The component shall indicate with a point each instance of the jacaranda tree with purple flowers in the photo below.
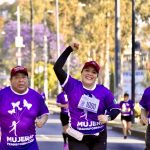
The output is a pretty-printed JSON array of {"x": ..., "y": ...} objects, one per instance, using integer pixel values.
[
  {"x": 9, "y": 49},
  {"x": 11, "y": 33}
]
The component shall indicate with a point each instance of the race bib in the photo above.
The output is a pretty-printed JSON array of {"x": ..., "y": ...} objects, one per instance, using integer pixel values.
[{"x": 89, "y": 103}]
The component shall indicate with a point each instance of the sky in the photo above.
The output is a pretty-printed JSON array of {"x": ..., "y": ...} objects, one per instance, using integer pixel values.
[{"x": 8, "y": 1}]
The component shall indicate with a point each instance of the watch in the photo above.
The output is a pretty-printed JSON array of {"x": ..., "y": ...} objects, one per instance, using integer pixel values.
[{"x": 109, "y": 118}]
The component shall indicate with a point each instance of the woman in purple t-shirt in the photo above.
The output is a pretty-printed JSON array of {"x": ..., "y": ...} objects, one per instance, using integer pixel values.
[{"x": 91, "y": 105}]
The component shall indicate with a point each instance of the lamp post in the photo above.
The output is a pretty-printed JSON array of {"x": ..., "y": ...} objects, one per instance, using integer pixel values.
[
  {"x": 107, "y": 65},
  {"x": 117, "y": 46},
  {"x": 18, "y": 39},
  {"x": 46, "y": 54},
  {"x": 45, "y": 58},
  {"x": 133, "y": 53},
  {"x": 32, "y": 45}
]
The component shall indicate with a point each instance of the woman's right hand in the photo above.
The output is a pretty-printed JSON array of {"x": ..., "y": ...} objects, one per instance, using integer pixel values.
[{"x": 75, "y": 46}]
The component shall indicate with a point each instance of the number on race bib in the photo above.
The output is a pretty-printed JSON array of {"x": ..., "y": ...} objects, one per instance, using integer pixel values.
[{"x": 91, "y": 106}]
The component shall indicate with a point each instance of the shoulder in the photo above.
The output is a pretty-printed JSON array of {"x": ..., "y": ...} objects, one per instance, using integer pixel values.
[
  {"x": 102, "y": 88},
  {"x": 60, "y": 95},
  {"x": 147, "y": 91},
  {"x": 131, "y": 101},
  {"x": 121, "y": 102},
  {"x": 34, "y": 92},
  {"x": 5, "y": 89}
]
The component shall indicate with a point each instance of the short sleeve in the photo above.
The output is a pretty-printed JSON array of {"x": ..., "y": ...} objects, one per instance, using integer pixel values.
[
  {"x": 43, "y": 107},
  {"x": 145, "y": 98},
  {"x": 111, "y": 102}
]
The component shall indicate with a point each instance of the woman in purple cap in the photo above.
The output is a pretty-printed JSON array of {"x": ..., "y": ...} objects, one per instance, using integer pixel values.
[
  {"x": 145, "y": 115},
  {"x": 21, "y": 110},
  {"x": 91, "y": 105},
  {"x": 62, "y": 102}
]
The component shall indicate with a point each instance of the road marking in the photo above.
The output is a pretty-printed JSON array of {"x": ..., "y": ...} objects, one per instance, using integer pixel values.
[
  {"x": 58, "y": 138},
  {"x": 53, "y": 121},
  {"x": 121, "y": 140},
  {"x": 49, "y": 138}
]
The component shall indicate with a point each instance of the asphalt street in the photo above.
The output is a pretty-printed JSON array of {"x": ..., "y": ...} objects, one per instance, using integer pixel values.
[{"x": 49, "y": 137}]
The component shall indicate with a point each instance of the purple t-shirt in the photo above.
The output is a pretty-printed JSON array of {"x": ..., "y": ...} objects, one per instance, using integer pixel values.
[
  {"x": 85, "y": 105},
  {"x": 17, "y": 118},
  {"x": 127, "y": 107},
  {"x": 62, "y": 99},
  {"x": 145, "y": 101}
]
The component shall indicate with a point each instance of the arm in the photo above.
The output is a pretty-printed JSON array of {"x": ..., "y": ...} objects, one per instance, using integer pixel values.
[
  {"x": 40, "y": 121},
  {"x": 58, "y": 66},
  {"x": 62, "y": 105},
  {"x": 111, "y": 116},
  {"x": 143, "y": 119}
]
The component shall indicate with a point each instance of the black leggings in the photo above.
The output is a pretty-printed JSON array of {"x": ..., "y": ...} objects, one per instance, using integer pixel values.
[
  {"x": 89, "y": 142},
  {"x": 147, "y": 140}
]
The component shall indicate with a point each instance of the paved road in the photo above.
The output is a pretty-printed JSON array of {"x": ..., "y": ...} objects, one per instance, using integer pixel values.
[{"x": 49, "y": 138}]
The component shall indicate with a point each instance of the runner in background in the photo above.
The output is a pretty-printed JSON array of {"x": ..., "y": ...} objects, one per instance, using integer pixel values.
[
  {"x": 40, "y": 90},
  {"x": 127, "y": 108},
  {"x": 62, "y": 102}
]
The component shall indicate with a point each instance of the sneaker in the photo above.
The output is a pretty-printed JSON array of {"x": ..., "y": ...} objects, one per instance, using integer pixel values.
[
  {"x": 65, "y": 146},
  {"x": 125, "y": 137},
  {"x": 129, "y": 132}
]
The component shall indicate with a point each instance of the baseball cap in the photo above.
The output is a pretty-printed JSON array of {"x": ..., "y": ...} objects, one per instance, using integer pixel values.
[
  {"x": 19, "y": 69},
  {"x": 92, "y": 64}
]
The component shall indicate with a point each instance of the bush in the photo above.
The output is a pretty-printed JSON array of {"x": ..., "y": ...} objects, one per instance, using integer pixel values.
[{"x": 137, "y": 110}]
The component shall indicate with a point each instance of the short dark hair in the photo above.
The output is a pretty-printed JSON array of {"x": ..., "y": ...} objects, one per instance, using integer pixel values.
[{"x": 126, "y": 95}]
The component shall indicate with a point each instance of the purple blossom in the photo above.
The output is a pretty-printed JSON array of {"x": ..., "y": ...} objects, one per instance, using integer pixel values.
[{"x": 11, "y": 33}]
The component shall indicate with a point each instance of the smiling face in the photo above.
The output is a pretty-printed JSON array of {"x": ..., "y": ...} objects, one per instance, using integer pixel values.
[
  {"x": 19, "y": 82},
  {"x": 89, "y": 76}
]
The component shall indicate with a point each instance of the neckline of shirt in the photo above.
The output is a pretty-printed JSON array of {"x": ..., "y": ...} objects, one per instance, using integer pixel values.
[
  {"x": 19, "y": 93},
  {"x": 91, "y": 89}
]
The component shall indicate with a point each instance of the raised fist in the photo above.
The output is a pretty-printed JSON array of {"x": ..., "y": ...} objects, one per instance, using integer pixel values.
[{"x": 75, "y": 46}]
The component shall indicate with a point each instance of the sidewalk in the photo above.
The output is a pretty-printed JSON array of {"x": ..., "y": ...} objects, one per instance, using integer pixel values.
[{"x": 137, "y": 129}]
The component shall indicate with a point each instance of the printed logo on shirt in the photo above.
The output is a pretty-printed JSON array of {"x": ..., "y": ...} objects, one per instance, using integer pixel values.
[
  {"x": 66, "y": 99},
  {"x": 15, "y": 141},
  {"x": 17, "y": 112},
  {"x": 125, "y": 107},
  {"x": 89, "y": 125}
]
